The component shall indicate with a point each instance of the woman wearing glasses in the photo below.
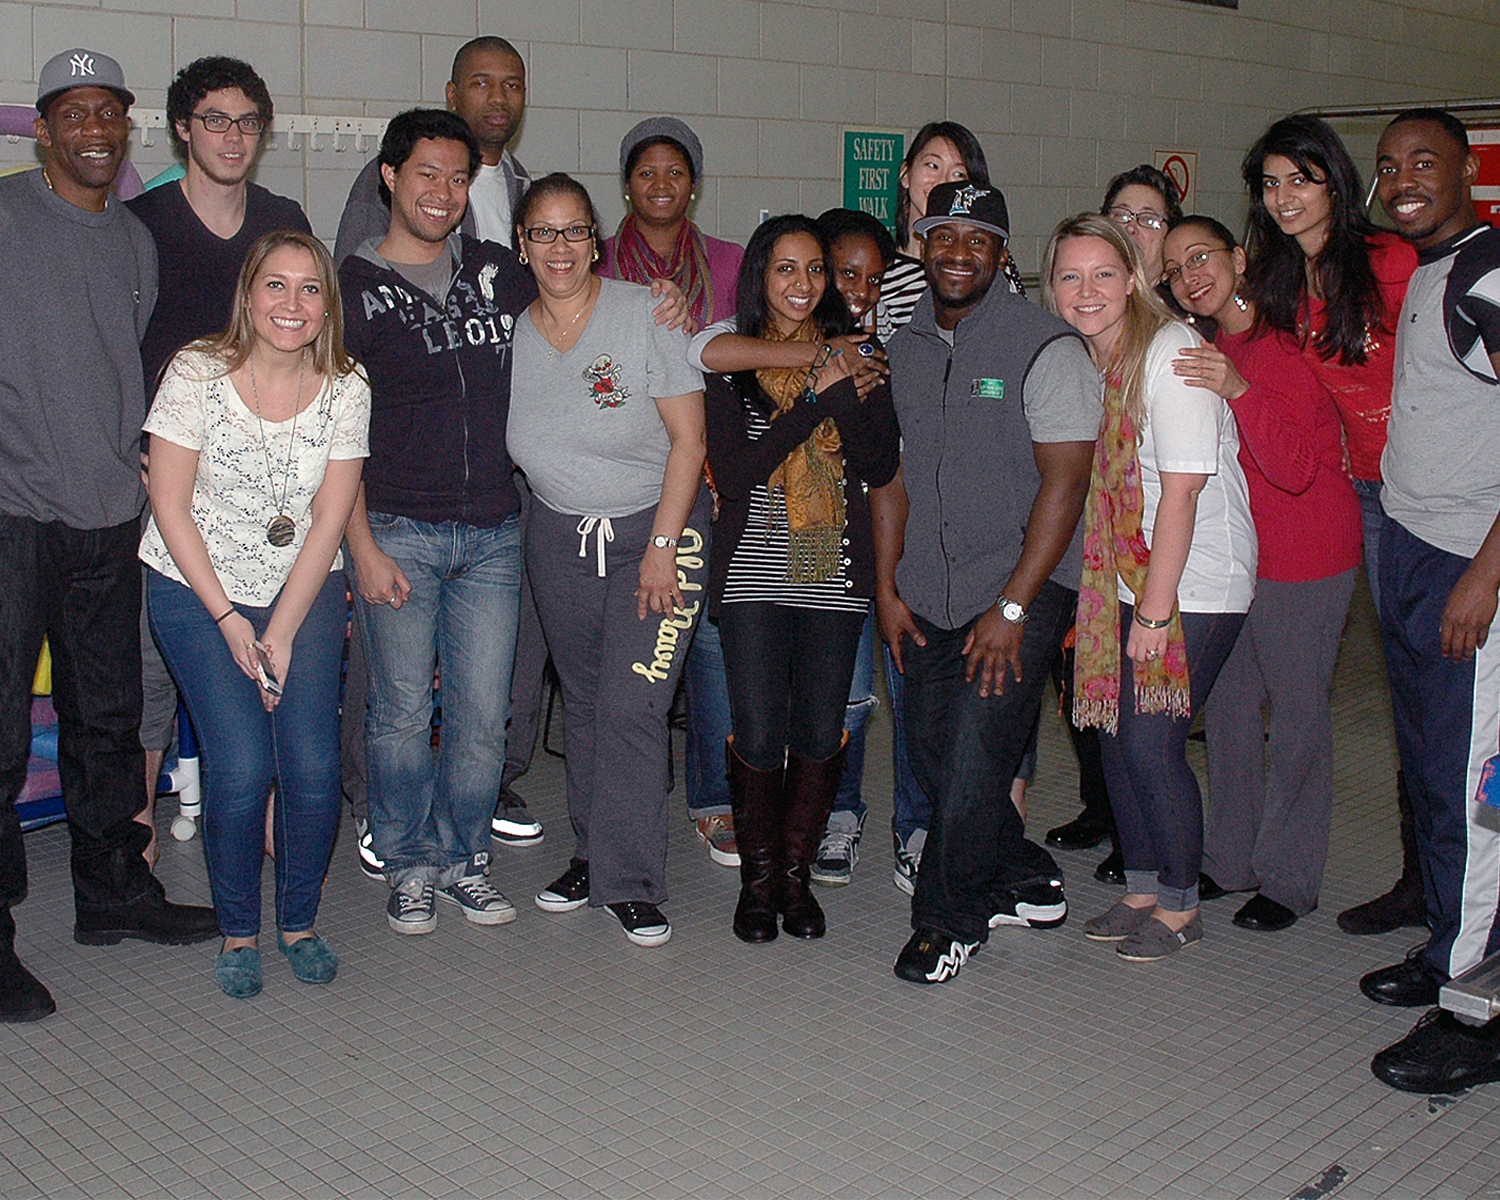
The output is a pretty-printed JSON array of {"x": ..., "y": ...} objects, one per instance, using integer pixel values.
[
  {"x": 1320, "y": 272},
  {"x": 1269, "y": 814},
  {"x": 606, "y": 420}
]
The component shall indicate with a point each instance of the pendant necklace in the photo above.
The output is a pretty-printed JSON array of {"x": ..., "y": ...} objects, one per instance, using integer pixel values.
[
  {"x": 281, "y": 529},
  {"x": 552, "y": 346}
]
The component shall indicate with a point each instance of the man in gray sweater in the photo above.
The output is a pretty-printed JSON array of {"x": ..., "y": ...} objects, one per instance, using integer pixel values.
[{"x": 77, "y": 286}]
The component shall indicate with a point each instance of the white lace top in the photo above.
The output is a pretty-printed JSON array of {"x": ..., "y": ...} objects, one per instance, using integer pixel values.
[{"x": 234, "y": 497}]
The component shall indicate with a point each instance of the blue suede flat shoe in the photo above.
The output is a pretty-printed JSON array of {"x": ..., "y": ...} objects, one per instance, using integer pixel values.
[
  {"x": 238, "y": 972},
  {"x": 312, "y": 959}
]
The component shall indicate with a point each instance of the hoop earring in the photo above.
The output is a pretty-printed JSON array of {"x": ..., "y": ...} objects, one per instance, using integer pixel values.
[
  {"x": 523, "y": 258},
  {"x": 596, "y": 253}
]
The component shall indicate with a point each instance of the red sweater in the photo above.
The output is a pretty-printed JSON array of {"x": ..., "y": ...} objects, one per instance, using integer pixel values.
[
  {"x": 1306, "y": 514},
  {"x": 1363, "y": 391}
]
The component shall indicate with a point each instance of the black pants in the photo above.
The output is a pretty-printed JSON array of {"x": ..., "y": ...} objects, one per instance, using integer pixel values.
[
  {"x": 965, "y": 749},
  {"x": 789, "y": 671},
  {"x": 82, "y": 589}
]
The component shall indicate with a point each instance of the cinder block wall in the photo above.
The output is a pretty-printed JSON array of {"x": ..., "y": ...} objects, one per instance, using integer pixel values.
[{"x": 1062, "y": 93}]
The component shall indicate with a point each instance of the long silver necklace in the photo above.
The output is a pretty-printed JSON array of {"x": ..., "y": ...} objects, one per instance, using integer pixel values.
[{"x": 281, "y": 529}]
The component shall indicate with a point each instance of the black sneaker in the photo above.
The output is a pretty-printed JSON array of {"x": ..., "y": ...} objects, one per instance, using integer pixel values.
[
  {"x": 1033, "y": 903},
  {"x": 568, "y": 891},
  {"x": 932, "y": 957},
  {"x": 1441, "y": 1055},
  {"x": 369, "y": 861},
  {"x": 513, "y": 823},
  {"x": 643, "y": 923}
]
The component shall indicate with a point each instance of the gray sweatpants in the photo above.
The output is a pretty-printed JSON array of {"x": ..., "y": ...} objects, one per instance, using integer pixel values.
[
  {"x": 1269, "y": 807},
  {"x": 618, "y": 675}
]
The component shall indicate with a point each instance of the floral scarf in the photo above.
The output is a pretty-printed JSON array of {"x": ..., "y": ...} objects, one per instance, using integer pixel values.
[
  {"x": 811, "y": 477},
  {"x": 1114, "y": 544}
]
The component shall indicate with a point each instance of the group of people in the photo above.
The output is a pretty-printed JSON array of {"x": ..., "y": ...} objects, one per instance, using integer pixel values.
[{"x": 656, "y": 457}]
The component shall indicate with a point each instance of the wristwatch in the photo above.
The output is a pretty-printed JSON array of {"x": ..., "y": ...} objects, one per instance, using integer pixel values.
[
  {"x": 661, "y": 541},
  {"x": 1010, "y": 610}
]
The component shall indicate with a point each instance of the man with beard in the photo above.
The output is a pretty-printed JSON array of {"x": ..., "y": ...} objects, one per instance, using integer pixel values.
[
  {"x": 1439, "y": 575},
  {"x": 978, "y": 562}
]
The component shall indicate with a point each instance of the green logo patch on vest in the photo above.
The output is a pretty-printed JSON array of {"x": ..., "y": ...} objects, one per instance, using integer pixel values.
[{"x": 990, "y": 389}]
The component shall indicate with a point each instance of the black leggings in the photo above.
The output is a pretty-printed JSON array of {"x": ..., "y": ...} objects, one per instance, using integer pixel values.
[{"x": 789, "y": 671}]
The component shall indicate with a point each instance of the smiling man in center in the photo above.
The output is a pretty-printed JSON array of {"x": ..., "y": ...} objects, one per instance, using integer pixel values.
[{"x": 978, "y": 559}]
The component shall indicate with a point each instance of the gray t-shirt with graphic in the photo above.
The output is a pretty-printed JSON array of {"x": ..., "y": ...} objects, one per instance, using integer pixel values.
[{"x": 583, "y": 425}]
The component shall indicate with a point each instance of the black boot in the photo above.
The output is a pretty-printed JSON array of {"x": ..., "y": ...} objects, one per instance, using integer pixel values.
[
  {"x": 22, "y": 996},
  {"x": 1404, "y": 904},
  {"x": 757, "y": 799},
  {"x": 810, "y": 789},
  {"x": 149, "y": 918}
]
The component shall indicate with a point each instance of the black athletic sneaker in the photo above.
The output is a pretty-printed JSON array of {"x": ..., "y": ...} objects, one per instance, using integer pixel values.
[
  {"x": 1032, "y": 903},
  {"x": 932, "y": 957},
  {"x": 513, "y": 823},
  {"x": 1441, "y": 1055},
  {"x": 568, "y": 891}
]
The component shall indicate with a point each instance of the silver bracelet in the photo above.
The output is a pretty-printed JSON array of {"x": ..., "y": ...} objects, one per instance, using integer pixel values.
[{"x": 1147, "y": 624}]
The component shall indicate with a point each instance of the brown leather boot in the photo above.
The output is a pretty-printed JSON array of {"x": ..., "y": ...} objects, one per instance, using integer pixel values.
[
  {"x": 758, "y": 801},
  {"x": 1405, "y": 904},
  {"x": 810, "y": 789}
]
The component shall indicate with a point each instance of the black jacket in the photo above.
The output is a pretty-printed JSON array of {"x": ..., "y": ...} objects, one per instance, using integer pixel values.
[
  {"x": 872, "y": 452},
  {"x": 439, "y": 382}
]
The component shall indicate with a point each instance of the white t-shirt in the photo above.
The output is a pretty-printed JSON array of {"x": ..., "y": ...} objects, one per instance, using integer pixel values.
[
  {"x": 198, "y": 408},
  {"x": 490, "y": 200},
  {"x": 1190, "y": 430}
]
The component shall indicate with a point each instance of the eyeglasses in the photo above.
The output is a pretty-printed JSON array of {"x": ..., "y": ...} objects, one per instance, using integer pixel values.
[
  {"x": 250, "y": 126},
  {"x": 1121, "y": 215},
  {"x": 543, "y": 234},
  {"x": 1191, "y": 263}
]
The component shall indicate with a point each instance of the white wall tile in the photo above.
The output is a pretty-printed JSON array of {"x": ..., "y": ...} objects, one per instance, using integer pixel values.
[
  {"x": 794, "y": 33},
  {"x": 1070, "y": 64},
  {"x": 1044, "y": 16},
  {"x": 908, "y": 101},
  {"x": 358, "y": 63},
  {"x": 187, "y": 8},
  {"x": 642, "y": 24},
  {"x": 673, "y": 84},
  {"x": 275, "y": 51},
  {"x": 430, "y": 16},
  {"x": 929, "y": 10},
  {"x": 549, "y": 141},
  {"x": 1016, "y": 57},
  {"x": 286, "y": 11},
  {"x": 349, "y": 14},
  {"x": 800, "y": 150},
  {"x": 965, "y": 51},
  {"x": 729, "y": 27},
  {"x": 16, "y": 65},
  {"x": 838, "y": 94},
  {"x": 758, "y": 89},
  {"x": 883, "y": 45},
  {"x": 530, "y": 20},
  {"x": 438, "y": 52},
  {"x": 929, "y": 47},
  {"x": 577, "y": 76}
]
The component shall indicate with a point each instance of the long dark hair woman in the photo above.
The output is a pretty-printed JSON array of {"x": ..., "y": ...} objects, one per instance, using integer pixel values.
[
  {"x": 1321, "y": 272},
  {"x": 792, "y": 571}
]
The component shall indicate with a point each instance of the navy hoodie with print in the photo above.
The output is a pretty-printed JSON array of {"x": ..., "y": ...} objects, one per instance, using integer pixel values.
[{"x": 439, "y": 382}]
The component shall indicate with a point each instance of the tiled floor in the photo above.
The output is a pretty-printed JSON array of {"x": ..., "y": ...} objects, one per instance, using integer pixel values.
[{"x": 549, "y": 1058}]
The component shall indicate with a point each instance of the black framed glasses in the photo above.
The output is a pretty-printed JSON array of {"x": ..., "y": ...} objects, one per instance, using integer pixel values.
[
  {"x": 1121, "y": 215},
  {"x": 1191, "y": 263},
  {"x": 544, "y": 234},
  {"x": 251, "y": 126}
]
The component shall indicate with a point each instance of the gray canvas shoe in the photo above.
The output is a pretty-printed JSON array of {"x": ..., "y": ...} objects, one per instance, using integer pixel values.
[{"x": 1154, "y": 940}]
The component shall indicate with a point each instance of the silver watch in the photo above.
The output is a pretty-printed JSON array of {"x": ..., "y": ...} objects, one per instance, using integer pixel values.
[
  {"x": 661, "y": 541},
  {"x": 1011, "y": 611}
]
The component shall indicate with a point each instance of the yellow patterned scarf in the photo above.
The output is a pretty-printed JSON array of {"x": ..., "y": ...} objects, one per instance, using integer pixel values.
[{"x": 811, "y": 478}]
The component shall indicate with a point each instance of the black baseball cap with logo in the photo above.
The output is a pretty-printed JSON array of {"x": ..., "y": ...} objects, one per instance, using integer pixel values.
[{"x": 968, "y": 204}]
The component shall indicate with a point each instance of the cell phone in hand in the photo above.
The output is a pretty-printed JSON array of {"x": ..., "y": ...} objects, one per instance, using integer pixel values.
[{"x": 267, "y": 672}]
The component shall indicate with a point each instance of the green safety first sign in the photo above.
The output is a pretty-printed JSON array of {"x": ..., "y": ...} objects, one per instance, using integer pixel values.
[{"x": 872, "y": 162}]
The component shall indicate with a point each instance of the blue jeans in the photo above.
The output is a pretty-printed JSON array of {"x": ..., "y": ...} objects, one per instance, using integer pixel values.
[
  {"x": 429, "y": 817},
  {"x": 965, "y": 749},
  {"x": 709, "y": 725},
  {"x": 911, "y": 809},
  {"x": 1372, "y": 517},
  {"x": 245, "y": 749},
  {"x": 856, "y": 715},
  {"x": 1152, "y": 789}
]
